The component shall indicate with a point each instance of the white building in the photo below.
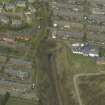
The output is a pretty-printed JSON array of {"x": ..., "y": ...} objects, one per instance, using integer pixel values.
[{"x": 85, "y": 49}]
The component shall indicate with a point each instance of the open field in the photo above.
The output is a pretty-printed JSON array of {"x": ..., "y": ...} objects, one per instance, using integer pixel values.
[
  {"x": 92, "y": 89},
  {"x": 68, "y": 65},
  {"x": 18, "y": 101}
]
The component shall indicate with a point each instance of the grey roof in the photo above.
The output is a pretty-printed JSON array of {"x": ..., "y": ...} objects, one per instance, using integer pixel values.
[
  {"x": 20, "y": 61},
  {"x": 10, "y": 6},
  {"x": 61, "y": 12},
  {"x": 96, "y": 36},
  {"x": 11, "y": 72},
  {"x": 13, "y": 84},
  {"x": 67, "y": 6},
  {"x": 97, "y": 1},
  {"x": 100, "y": 59},
  {"x": 31, "y": 8},
  {"x": 31, "y": 1},
  {"x": 4, "y": 19},
  {"x": 17, "y": 23},
  {"x": 21, "y": 3},
  {"x": 60, "y": 33},
  {"x": 74, "y": 25},
  {"x": 18, "y": 73},
  {"x": 97, "y": 18}
]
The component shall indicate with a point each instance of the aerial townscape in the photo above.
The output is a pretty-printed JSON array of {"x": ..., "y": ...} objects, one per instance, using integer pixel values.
[{"x": 52, "y": 52}]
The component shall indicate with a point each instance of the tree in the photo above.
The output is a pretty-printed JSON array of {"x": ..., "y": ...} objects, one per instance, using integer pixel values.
[{"x": 5, "y": 98}]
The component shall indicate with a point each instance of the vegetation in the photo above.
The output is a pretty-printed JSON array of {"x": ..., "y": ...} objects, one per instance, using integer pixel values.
[
  {"x": 19, "y": 101},
  {"x": 102, "y": 52},
  {"x": 5, "y": 50},
  {"x": 92, "y": 89},
  {"x": 41, "y": 65},
  {"x": 68, "y": 65},
  {"x": 4, "y": 98},
  {"x": 45, "y": 87}
]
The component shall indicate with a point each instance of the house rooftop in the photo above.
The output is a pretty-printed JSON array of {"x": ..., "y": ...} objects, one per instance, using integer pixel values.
[
  {"x": 20, "y": 61},
  {"x": 21, "y": 3},
  {"x": 10, "y": 6},
  {"x": 31, "y": 1},
  {"x": 18, "y": 73},
  {"x": 4, "y": 19}
]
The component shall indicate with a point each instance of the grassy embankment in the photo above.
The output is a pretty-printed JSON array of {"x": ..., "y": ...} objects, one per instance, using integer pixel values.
[{"x": 69, "y": 65}]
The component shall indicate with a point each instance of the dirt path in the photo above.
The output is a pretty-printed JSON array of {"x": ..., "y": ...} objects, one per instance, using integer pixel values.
[
  {"x": 56, "y": 82},
  {"x": 76, "y": 84}
]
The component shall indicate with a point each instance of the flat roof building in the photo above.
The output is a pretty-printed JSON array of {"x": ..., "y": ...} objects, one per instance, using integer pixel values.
[{"x": 85, "y": 50}]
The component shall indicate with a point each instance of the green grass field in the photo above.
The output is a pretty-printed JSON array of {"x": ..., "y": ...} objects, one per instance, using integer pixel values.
[
  {"x": 68, "y": 65},
  {"x": 18, "y": 101}
]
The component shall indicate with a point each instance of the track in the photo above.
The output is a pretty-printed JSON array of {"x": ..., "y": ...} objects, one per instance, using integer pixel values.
[{"x": 55, "y": 81}]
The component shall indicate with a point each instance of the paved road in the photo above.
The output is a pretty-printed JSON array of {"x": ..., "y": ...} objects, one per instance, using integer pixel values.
[{"x": 76, "y": 84}]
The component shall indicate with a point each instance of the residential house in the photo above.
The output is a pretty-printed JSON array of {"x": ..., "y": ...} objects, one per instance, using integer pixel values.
[
  {"x": 10, "y": 6},
  {"x": 21, "y": 62},
  {"x": 69, "y": 34},
  {"x": 23, "y": 74},
  {"x": 17, "y": 23},
  {"x": 29, "y": 17},
  {"x": 31, "y": 1},
  {"x": 98, "y": 11},
  {"x": 15, "y": 88},
  {"x": 21, "y": 3},
  {"x": 17, "y": 73},
  {"x": 4, "y": 19},
  {"x": 31, "y": 9}
]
